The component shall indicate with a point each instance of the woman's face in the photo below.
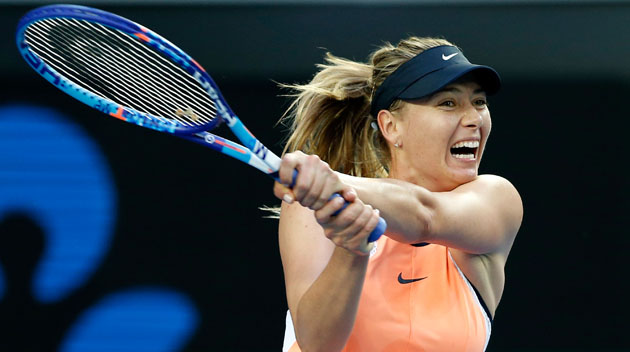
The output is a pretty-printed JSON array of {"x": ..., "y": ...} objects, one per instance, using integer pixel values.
[{"x": 442, "y": 137}]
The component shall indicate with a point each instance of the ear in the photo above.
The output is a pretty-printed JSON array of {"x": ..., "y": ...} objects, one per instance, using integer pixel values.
[{"x": 389, "y": 125}]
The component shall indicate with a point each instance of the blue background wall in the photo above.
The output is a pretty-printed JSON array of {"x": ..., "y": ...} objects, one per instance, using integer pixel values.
[{"x": 102, "y": 222}]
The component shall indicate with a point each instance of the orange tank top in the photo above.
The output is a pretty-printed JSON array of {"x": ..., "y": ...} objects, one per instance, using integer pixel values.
[{"x": 414, "y": 298}]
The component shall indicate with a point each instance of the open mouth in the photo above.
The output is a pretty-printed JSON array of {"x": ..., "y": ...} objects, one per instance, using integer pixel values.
[{"x": 465, "y": 150}]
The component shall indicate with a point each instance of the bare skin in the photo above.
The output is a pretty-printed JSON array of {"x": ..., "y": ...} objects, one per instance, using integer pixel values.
[{"x": 433, "y": 195}]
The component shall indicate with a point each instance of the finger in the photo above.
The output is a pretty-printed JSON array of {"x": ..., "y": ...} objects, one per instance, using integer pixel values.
[
  {"x": 333, "y": 186},
  {"x": 325, "y": 214},
  {"x": 330, "y": 184},
  {"x": 342, "y": 224},
  {"x": 283, "y": 192},
  {"x": 355, "y": 237},
  {"x": 354, "y": 229},
  {"x": 308, "y": 172},
  {"x": 321, "y": 173},
  {"x": 349, "y": 194},
  {"x": 289, "y": 162},
  {"x": 346, "y": 217},
  {"x": 364, "y": 246}
]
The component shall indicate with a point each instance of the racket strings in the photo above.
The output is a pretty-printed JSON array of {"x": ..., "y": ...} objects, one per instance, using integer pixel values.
[
  {"x": 77, "y": 65},
  {"x": 89, "y": 77},
  {"x": 118, "y": 67},
  {"x": 164, "y": 89},
  {"x": 44, "y": 50},
  {"x": 139, "y": 76}
]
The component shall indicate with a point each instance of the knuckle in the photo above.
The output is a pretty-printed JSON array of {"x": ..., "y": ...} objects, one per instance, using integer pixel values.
[
  {"x": 312, "y": 159},
  {"x": 287, "y": 157}
]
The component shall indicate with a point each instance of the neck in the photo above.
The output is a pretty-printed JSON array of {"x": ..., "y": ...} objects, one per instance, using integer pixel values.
[{"x": 400, "y": 170}]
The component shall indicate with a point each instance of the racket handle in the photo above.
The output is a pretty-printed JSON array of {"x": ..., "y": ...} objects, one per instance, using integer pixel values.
[{"x": 378, "y": 231}]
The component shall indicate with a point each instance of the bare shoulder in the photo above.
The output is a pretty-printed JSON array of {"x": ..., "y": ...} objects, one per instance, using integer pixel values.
[
  {"x": 489, "y": 180},
  {"x": 500, "y": 195},
  {"x": 490, "y": 184},
  {"x": 505, "y": 196}
]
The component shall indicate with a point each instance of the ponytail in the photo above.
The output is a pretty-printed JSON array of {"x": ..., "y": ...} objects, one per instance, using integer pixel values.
[{"x": 330, "y": 117}]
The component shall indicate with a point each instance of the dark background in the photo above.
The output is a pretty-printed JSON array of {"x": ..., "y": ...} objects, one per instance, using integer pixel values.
[{"x": 188, "y": 218}]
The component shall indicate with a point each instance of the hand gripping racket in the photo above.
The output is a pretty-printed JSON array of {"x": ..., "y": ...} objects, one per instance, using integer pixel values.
[{"x": 133, "y": 74}]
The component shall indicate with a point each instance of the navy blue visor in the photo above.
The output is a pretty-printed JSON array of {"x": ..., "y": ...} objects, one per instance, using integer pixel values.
[{"x": 427, "y": 73}]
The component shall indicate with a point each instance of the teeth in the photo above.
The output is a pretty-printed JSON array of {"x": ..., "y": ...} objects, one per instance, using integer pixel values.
[
  {"x": 467, "y": 144},
  {"x": 464, "y": 156}
]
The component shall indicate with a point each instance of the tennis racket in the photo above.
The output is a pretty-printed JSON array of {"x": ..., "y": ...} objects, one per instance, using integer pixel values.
[{"x": 129, "y": 72}]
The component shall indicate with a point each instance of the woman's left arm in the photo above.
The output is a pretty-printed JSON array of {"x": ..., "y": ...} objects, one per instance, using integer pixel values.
[{"x": 479, "y": 217}]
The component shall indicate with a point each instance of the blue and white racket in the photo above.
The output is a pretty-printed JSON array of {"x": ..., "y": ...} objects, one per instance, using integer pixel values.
[{"x": 133, "y": 74}]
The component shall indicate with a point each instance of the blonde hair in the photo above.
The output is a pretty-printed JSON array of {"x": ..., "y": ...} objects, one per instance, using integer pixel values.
[{"x": 330, "y": 116}]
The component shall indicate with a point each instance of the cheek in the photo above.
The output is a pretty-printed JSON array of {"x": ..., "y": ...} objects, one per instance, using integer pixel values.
[
  {"x": 487, "y": 124},
  {"x": 485, "y": 131},
  {"x": 431, "y": 141}
]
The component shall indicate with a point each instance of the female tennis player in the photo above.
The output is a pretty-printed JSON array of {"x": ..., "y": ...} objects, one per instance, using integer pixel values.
[{"x": 401, "y": 137}]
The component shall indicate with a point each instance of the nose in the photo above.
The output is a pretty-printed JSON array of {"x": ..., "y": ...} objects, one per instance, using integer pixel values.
[{"x": 472, "y": 118}]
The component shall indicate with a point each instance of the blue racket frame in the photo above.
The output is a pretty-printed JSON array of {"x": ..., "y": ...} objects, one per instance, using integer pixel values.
[{"x": 252, "y": 152}]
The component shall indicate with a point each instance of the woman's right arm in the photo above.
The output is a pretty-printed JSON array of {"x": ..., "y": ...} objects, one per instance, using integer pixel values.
[
  {"x": 325, "y": 260},
  {"x": 323, "y": 281}
]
